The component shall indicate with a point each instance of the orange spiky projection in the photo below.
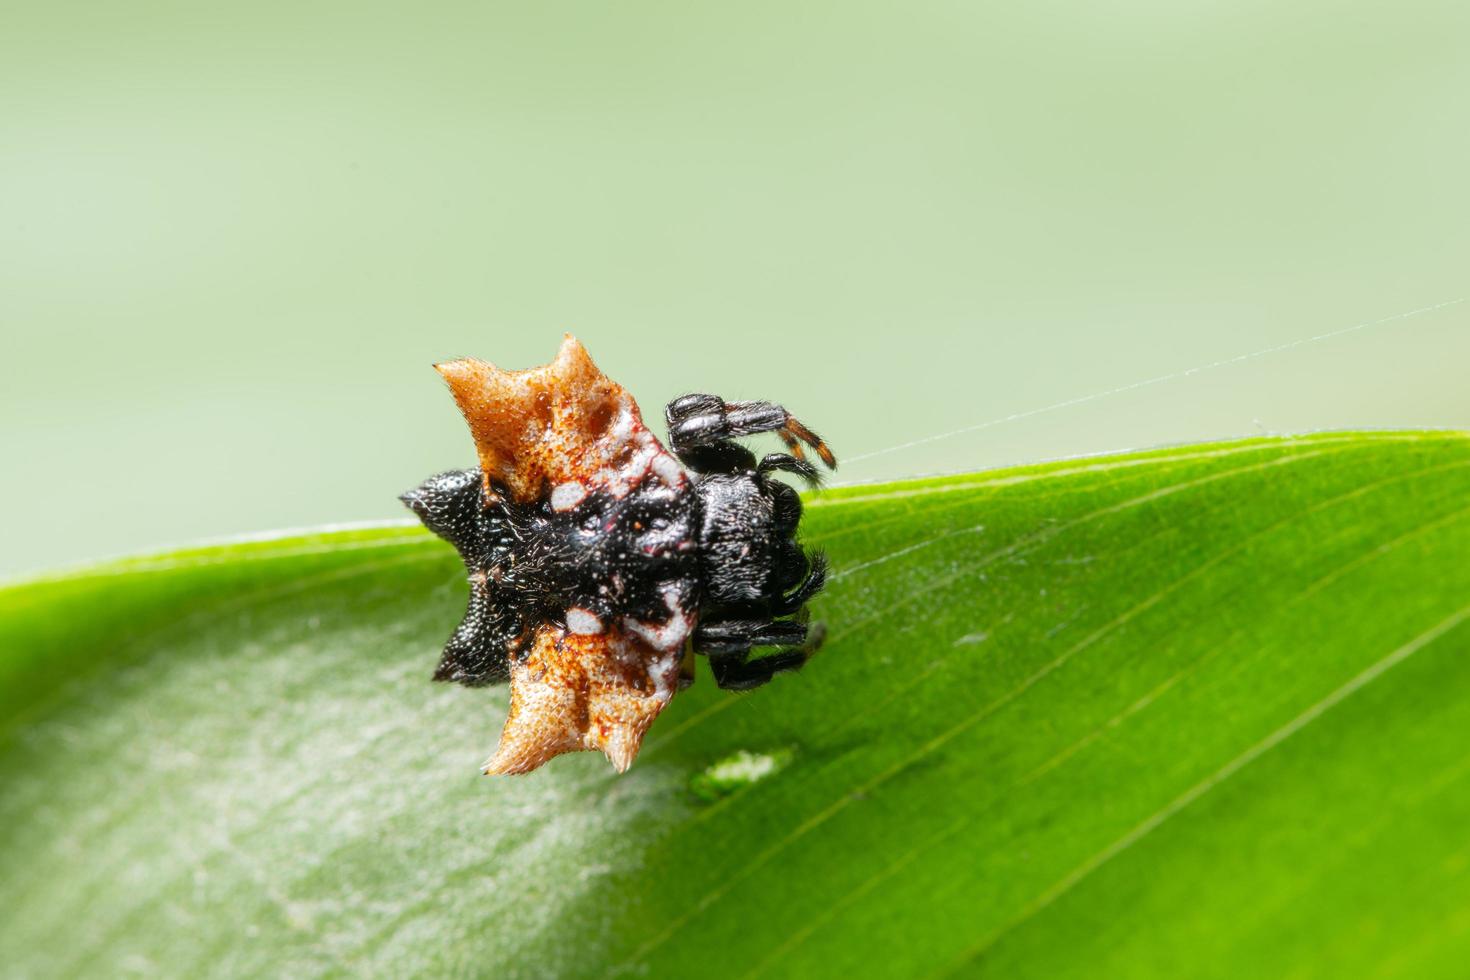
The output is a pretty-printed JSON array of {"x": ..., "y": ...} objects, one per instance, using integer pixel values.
[
  {"x": 565, "y": 424},
  {"x": 575, "y": 693}
]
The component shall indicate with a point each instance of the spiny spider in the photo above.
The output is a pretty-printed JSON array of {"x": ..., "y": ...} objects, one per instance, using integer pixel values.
[{"x": 597, "y": 565}]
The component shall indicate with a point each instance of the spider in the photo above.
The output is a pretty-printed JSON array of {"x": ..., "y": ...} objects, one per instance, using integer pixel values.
[{"x": 598, "y": 561}]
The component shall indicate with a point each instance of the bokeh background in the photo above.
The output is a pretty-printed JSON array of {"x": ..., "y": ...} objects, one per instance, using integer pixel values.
[{"x": 234, "y": 237}]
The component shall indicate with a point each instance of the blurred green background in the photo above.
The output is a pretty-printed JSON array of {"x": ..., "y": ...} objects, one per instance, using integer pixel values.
[{"x": 233, "y": 238}]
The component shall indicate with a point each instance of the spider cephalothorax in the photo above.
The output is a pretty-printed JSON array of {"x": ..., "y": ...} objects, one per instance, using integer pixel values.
[{"x": 597, "y": 562}]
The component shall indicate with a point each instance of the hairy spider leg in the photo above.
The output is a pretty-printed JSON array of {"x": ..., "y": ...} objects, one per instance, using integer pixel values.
[
  {"x": 786, "y": 463},
  {"x": 816, "y": 577},
  {"x": 702, "y": 420},
  {"x": 729, "y": 644},
  {"x": 740, "y": 635}
]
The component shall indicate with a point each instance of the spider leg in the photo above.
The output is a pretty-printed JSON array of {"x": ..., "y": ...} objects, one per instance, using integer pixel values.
[
  {"x": 739, "y": 635},
  {"x": 728, "y": 647},
  {"x": 718, "y": 457},
  {"x": 786, "y": 463},
  {"x": 733, "y": 672},
  {"x": 816, "y": 577},
  {"x": 701, "y": 420}
]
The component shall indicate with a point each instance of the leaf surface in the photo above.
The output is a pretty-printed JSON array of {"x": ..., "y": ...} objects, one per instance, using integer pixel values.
[{"x": 1196, "y": 711}]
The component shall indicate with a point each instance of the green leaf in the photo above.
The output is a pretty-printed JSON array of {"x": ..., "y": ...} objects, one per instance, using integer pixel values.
[{"x": 1200, "y": 711}]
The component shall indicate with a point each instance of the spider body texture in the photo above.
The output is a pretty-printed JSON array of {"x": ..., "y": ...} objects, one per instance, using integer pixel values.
[{"x": 599, "y": 561}]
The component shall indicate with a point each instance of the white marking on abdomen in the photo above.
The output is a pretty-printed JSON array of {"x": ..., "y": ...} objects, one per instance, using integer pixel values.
[
  {"x": 567, "y": 495},
  {"x": 583, "y": 622}
]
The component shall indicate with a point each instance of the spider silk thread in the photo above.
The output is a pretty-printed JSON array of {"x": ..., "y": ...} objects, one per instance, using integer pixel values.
[{"x": 1160, "y": 379}]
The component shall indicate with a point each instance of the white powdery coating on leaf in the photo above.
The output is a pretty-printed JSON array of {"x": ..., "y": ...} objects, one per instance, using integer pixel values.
[
  {"x": 363, "y": 751},
  {"x": 744, "y": 767}
]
